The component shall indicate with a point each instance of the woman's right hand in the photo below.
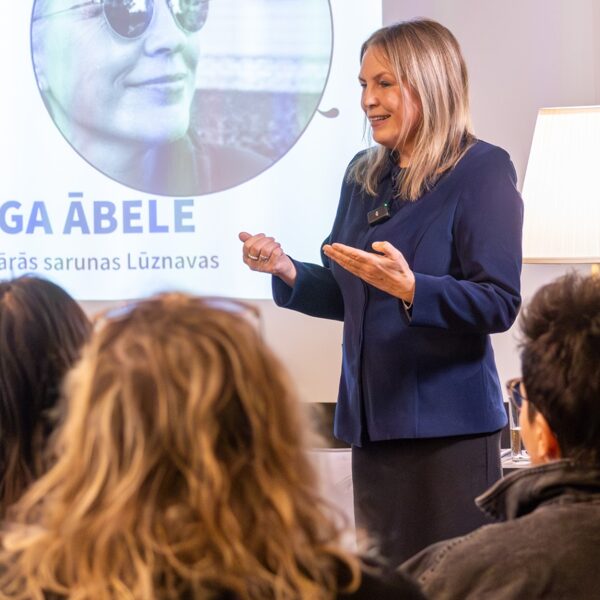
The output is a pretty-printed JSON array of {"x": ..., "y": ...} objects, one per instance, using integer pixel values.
[{"x": 264, "y": 254}]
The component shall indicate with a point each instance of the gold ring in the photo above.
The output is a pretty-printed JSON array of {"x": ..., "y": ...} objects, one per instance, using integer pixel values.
[{"x": 252, "y": 257}]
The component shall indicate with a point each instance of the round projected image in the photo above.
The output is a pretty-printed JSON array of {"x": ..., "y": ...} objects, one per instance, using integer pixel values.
[{"x": 181, "y": 97}]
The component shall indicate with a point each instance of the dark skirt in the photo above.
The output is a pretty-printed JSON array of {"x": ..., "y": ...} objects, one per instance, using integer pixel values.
[{"x": 413, "y": 492}]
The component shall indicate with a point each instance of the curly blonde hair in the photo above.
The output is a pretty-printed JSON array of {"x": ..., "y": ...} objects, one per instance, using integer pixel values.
[{"x": 180, "y": 471}]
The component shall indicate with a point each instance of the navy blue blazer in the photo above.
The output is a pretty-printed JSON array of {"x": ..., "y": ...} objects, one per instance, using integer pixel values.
[{"x": 428, "y": 372}]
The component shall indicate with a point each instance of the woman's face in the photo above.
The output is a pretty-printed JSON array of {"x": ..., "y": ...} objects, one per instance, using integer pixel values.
[
  {"x": 101, "y": 85},
  {"x": 391, "y": 108}
]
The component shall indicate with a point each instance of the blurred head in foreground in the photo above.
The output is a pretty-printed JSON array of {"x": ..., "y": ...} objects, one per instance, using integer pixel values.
[
  {"x": 42, "y": 330},
  {"x": 180, "y": 473},
  {"x": 560, "y": 417}
]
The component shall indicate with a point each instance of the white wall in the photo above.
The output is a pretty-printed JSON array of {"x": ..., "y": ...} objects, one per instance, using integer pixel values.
[{"x": 522, "y": 55}]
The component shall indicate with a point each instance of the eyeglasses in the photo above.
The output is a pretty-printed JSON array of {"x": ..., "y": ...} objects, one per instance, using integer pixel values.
[
  {"x": 130, "y": 19},
  {"x": 250, "y": 313},
  {"x": 245, "y": 310},
  {"x": 516, "y": 393}
]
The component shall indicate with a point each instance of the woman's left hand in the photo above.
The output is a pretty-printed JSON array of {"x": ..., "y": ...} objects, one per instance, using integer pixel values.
[{"x": 387, "y": 270}]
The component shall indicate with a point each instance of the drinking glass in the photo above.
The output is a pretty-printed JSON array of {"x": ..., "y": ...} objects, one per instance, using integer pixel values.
[{"x": 516, "y": 393}]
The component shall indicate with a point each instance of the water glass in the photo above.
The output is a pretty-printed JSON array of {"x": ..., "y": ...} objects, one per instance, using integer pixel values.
[{"x": 515, "y": 401}]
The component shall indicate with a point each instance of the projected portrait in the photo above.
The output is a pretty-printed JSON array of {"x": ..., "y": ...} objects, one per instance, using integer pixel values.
[{"x": 181, "y": 97}]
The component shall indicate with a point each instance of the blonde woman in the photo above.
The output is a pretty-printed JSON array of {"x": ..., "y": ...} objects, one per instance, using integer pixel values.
[
  {"x": 180, "y": 473},
  {"x": 422, "y": 265}
]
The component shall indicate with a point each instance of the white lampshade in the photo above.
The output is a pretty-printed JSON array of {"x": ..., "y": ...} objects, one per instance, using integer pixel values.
[{"x": 561, "y": 191}]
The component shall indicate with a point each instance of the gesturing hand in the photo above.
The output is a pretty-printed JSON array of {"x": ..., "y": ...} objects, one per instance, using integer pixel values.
[
  {"x": 387, "y": 270},
  {"x": 264, "y": 254}
]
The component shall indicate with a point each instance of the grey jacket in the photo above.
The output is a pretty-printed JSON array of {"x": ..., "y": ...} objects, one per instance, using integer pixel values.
[{"x": 548, "y": 545}]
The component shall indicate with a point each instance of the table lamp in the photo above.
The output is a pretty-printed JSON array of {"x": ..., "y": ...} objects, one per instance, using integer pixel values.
[{"x": 561, "y": 190}]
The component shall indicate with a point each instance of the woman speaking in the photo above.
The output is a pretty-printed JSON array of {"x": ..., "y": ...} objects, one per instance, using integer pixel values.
[{"x": 422, "y": 264}]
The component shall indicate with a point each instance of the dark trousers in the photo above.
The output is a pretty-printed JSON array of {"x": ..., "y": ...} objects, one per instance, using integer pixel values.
[{"x": 413, "y": 492}]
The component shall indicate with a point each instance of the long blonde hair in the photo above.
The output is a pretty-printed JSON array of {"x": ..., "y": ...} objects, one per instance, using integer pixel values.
[
  {"x": 180, "y": 471},
  {"x": 424, "y": 55}
]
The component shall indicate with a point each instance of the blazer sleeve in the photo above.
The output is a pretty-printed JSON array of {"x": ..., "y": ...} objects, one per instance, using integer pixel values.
[
  {"x": 315, "y": 293},
  {"x": 487, "y": 230}
]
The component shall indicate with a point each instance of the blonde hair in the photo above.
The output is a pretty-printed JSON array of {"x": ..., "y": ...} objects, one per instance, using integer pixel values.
[
  {"x": 180, "y": 472},
  {"x": 425, "y": 56}
]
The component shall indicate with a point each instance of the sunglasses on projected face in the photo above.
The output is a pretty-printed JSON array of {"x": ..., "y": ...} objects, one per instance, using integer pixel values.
[{"x": 130, "y": 19}]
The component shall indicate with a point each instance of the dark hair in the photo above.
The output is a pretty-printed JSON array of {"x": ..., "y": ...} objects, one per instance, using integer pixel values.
[
  {"x": 560, "y": 354},
  {"x": 41, "y": 332}
]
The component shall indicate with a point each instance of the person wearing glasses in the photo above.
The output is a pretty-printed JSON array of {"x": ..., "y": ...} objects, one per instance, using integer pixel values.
[
  {"x": 181, "y": 473},
  {"x": 118, "y": 78},
  {"x": 545, "y": 544},
  {"x": 422, "y": 264}
]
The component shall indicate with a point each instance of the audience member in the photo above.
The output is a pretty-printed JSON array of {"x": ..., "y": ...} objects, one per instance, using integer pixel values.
[
  {"x": 547, "y": 545},
  {"x": 180, "y": 473},
  {"x": 41, "y": 332}
]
